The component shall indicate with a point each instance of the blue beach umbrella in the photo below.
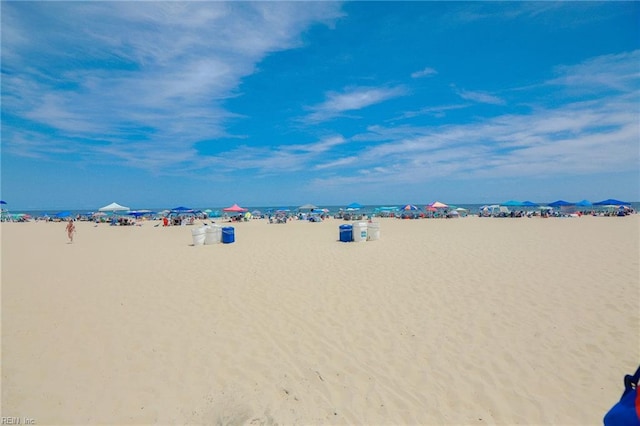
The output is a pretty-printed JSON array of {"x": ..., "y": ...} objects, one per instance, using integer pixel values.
[
  {"x": 64, "y": 214},
  {"x": 611, "y": 202},
  {"x": 138, "y": 213},
  {"x": 512, "y": 203},
  {"x": 560, "y": 203},
  {"x": 584, "y": 203},
  {"x": 3, "y": 202},
  {"x": 354, "y": 206},
  {"x": 410, "y": 207},
  {"x": 529, "y": 204}
]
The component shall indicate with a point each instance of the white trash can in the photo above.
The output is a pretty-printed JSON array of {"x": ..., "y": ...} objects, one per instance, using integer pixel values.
[
  {"x": 360, "y": 231},
  {"x": 213, "y": 235},
  {"x": 373, "y": 231},
  {"x": 198, "y": 235}
]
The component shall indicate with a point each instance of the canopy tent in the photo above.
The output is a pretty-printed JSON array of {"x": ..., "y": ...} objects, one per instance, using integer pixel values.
[
  {"x": 235, "y": 208},
  {"x": 182, "y": 209},
  {"x": 611, "y": 202},
  {"x": 438, "y": 205},
  {"x": 113, "y": 207}
]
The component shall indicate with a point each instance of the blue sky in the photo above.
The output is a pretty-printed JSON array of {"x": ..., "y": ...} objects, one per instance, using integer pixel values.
[{"x": 158, "y": 104}]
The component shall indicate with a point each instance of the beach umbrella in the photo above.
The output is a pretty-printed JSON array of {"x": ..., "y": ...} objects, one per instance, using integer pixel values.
[
  {"x": 354, "y": 206},
  {"x": 138, "y": 213},
  {"x": 611, "y": 202},
  {"x": 584, "y": 203},
  {"x": 235, "y": 208},
  {"x": 307, "y": 207},
  {"x": 512, "y": 203},
  {"x": 64, "y": 214},
  {"x": 3, "y": 202},
  {"x": 113, "y": 207},
  {"x": 560, "y": 203},
  {"x": 529, "y": 204},
  {"x": 409, "y": 207}
]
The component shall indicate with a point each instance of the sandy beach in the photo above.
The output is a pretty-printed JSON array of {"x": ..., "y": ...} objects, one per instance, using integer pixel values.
[{"x": 465, "y": 321}]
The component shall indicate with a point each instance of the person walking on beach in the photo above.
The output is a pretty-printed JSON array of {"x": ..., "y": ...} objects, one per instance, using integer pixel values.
[{"x": 71, "y": 229}]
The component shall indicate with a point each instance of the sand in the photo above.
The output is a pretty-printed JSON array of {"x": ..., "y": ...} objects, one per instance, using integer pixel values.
[{"x": 456, "y": 322}]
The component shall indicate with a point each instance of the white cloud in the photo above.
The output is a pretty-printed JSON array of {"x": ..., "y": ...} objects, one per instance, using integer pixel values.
[
  {"x": 351, "y": 99},
  {"x": 154, "y": 73},
  {"x": 619, "y": 72},
  {"x": 424, "y": 73},
  {"x": 480, "y": 97}
]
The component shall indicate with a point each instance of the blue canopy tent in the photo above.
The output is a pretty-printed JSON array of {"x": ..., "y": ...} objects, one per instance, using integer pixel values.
[{"x": 182, "y": 209}]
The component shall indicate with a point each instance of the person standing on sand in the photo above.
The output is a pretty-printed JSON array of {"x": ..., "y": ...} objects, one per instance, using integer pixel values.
[{"x": 71, "y": 229}]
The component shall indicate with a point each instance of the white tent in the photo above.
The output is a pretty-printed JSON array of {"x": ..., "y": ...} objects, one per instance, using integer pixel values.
[{"x": 113, "y": 207}]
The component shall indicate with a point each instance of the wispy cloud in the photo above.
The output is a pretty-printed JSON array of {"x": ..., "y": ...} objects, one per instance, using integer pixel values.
[
  {"x": 479, "y": 97},
  {"x": 618, "y": 72},
  {"x": 154, "y": 73},
  {"x": 424, "y": 73},
  {"x": 351, "y": 99}
]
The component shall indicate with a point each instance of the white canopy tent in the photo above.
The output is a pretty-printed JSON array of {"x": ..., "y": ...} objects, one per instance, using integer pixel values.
[{"x": 114, "y": 207}]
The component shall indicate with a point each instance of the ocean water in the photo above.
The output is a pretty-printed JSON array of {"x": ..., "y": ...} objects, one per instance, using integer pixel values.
[{"x": 367, "y": 209}]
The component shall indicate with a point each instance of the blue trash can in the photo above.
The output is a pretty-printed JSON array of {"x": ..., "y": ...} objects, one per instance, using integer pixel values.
[
  {"x": 346, "y": 233},
  {"x": 228, "y": 235}
]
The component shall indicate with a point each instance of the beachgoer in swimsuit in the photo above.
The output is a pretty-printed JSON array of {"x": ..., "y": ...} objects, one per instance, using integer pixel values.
[{"x": 71, "y": 229}]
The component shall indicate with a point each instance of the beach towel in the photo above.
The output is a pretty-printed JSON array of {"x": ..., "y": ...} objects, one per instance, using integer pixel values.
[{"x": 626, "y": 412}]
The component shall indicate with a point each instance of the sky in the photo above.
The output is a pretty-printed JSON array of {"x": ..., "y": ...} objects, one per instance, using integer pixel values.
[{"x": 206, "y": 104}]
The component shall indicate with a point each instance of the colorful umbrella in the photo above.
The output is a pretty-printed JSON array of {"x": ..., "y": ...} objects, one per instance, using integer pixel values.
[
  {"x": 234, "y": 208},
  {"x": 409, "y": 207}
]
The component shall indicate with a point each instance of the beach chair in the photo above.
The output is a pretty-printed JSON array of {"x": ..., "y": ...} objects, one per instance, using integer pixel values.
[{"x": 626, "y": 412}]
